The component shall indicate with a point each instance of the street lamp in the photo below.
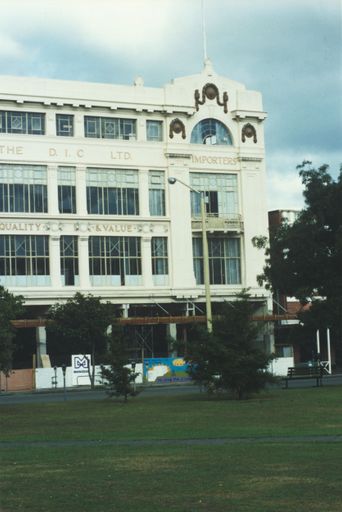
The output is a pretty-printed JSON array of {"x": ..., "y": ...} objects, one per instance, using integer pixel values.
[{"x": 206, "y": 275}]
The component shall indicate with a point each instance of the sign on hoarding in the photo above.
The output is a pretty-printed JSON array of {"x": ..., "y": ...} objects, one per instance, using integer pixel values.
[
  {"x": 80, "y": 369},
  {"x": 166, "y": 370}
]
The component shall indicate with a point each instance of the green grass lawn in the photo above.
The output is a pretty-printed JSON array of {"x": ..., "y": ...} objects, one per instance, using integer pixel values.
[{"x": 256, "y": 476}]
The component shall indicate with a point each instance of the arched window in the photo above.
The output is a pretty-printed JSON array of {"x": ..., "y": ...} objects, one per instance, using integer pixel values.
[{"x": 210, "y": 131}]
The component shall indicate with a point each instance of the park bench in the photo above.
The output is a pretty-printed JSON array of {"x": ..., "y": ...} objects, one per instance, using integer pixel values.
[{"x": 304, "y": 372}]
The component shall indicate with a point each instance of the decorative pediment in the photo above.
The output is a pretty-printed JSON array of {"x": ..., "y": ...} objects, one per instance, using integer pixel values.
[
  {"x": 177, "y": 126},
  {"x": 249, "y": 131},
  {"x": 211, "y": 92}
]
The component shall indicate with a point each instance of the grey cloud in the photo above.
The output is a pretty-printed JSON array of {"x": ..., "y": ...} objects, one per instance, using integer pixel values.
[{"x": 290, "y": 51}]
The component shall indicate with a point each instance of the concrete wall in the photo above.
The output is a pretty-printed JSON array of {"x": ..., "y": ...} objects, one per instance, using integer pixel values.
[
  {"x": 44, "y": 377},
  {"x": 279, "y": 366}
]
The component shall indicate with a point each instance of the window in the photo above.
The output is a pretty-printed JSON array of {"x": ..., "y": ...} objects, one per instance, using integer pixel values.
[
  {"x": 109, "y": 128},
  {"x": 23, "y": 188},
  {"x": 283, "y": 351},
  {"x": 32, "y": 123},
  {"x": 154, "y": 130},
  {"x": 65, "y": 125},
  {"x": 24, "y": 260},
  {"x": 210, "y": 131},
  {"x": 66, "y": 190},
  {"x": 69, "y": 260},
  {"x": 112, "y": 191},
  {"x": 156, "y": 193},
  {"x": 115, "y": 260},
  {"x": 224, "y": 260},
  {"x": 220, "y": 191},
  {"x": 159, "y": 260}
]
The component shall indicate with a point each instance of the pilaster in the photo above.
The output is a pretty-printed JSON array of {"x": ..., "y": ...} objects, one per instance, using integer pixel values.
[
  {"x": 83, "y": 261},
  {"x": 52, "y": 190},
  {"x": 146, "y": 261},
  {"x": 81, "y": 190},
  {"x": 143, "y": 193},
  {"x": 55, "y": 261}
]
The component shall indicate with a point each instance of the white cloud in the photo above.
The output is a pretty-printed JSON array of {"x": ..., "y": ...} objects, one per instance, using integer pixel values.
[
  {"x": 124, "y": 28},
  {"x": 9, "y": 48},
  {"x": 285, "y": 191},
  {"x": 284, "y": 186}
]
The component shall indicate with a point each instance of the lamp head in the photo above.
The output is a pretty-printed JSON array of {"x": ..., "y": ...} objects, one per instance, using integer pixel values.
[{"x": 172, "y": 180}]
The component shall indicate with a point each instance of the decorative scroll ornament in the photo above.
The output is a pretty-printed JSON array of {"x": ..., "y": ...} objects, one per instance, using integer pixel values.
[
  {"x": 249, "y": 131},
  {"x": 177, "y": 126},
  {"x": 211, "y": 92}
]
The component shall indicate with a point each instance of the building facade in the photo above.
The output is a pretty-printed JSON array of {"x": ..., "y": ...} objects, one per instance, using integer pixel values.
[{"x": 85, "y": 202}]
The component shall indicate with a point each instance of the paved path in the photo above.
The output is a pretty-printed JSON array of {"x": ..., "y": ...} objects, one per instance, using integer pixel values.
[
  {"x": 45, "y": 396},
  {"x": 174, "y": 442}
]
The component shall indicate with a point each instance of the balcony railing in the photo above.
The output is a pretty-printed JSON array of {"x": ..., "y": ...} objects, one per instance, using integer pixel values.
[{"x": 232, "y": 222}]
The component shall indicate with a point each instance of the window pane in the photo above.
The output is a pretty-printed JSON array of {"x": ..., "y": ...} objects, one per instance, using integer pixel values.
[
  {"x": 224, "y": 260},
  {"x": 221, "y": 192},
  {"x": 64, "y": 125},
  {"x": 2, "y": 122},
  {"x": 109, "y": 127},
  {"x": 92, "y": 126},
  {"x": 121, "y": 198},
  {"x": 117, "y": 257},
  {"x": 69, "y": 259},
  {"x": 156, "y": 193},
  {"x": 35, "y": 123},
  {"x": 210, "y": 131},
  {"x": 159, "y": 256},
  {"x": 22, "y": 122},
  {"x": 66, "y": 199},
  {"x": 24, "y": 255},
  {"x": 154, "y": 130}
]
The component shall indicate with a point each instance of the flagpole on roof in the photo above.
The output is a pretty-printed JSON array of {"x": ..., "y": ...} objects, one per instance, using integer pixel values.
[{"x": 204, "y": 33}]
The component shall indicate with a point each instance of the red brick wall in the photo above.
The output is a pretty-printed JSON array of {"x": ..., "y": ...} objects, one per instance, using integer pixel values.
[{"x": 18, "y": 380}]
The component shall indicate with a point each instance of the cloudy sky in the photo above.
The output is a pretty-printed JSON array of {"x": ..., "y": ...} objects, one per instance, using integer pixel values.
[{"x": 290, "y": 50}]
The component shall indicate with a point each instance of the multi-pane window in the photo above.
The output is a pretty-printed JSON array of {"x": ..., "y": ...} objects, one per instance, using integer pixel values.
[
  {"x": 69, "y": 260},
  {"x": 210, "y": 131},
  {"x": 154, "y": 130},
  {"x": 156, "y": 193},
  {"x": 115, "y": 260},
  {"x": 32, "y": 123},
  {"x": 159, "y": 260},
  {"x": 24, "y": 260},
  {"x": 112, "y": 191},
  {"x": 220, "y": 191},
  {"x": 110, "y": 128},
  {"x": 23, "y": 188},
  {"x": 65, "y": 125},
  {"x": 224, "y": 260},
  {"x": 66, "y": 190}
]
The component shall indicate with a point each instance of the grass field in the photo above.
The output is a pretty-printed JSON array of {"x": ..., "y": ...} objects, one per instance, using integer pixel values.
[{"x": 271, "y": 462}]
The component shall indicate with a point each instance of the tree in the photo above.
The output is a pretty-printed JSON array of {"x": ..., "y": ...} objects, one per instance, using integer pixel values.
[
  {"x": 82, "y": 324},
  {"x": 229, "y": 358},
  {"x": 119, "y": 378},
  {"x": 304, "y": 259},
  {"x": 11, "y": 307}
]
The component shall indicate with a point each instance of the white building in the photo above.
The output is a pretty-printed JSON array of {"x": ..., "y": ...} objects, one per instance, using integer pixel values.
[{"x": 85, "y": 201}]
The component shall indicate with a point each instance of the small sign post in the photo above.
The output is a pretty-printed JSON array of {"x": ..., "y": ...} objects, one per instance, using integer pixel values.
[{"x": 64, "y": 387}]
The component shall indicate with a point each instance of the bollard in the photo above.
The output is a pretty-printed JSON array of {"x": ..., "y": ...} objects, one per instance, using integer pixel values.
[{"x": 64, "y": 387}]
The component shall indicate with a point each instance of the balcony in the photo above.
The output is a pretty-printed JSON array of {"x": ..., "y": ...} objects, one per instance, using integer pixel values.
[{"x": 232, "y": 223}]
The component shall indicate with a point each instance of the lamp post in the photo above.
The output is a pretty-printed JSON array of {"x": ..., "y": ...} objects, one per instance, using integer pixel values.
[{"x": 206, "y": 274}]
